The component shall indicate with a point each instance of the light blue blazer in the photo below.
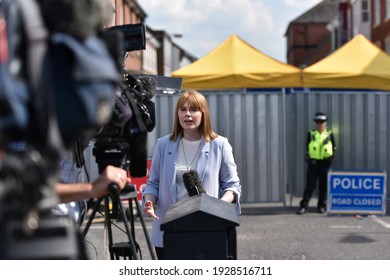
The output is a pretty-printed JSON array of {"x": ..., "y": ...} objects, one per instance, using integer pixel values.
[{"x": 216, "y": 168}]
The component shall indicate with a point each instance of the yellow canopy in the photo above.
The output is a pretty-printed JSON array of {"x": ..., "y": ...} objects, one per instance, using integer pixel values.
[
  {"x": 236, "y": 64},
  {"x": 359, "y": 64}
]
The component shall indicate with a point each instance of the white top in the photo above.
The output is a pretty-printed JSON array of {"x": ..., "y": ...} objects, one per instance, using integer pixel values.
[{"x": 187, "y": 159}]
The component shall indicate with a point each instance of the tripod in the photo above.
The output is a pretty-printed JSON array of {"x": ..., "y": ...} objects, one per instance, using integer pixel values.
[{"x": 117, "y": 250}]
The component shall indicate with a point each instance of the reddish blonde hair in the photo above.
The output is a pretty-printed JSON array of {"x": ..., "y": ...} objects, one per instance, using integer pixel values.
[{"x": 198, "y": 101}]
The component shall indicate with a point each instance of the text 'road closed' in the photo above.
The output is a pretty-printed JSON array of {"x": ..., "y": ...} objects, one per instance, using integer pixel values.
[{"x": 356, "y": 192}]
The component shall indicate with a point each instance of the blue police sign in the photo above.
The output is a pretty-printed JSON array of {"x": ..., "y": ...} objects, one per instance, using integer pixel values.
[{"x": 356, "y": 192}]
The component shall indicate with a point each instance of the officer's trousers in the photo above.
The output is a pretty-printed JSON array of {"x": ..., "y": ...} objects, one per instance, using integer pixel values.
[{"x": 317, "y": 171}]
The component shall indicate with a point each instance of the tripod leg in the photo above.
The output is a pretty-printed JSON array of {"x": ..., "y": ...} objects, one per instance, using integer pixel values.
[
  {"x": 129, "y": 234},
  {"x": 91, "y": 217},
  {"x": 107, "y": 222},
  {"x": 140, "y": 214},
  {"x": 132, "y": 218}
]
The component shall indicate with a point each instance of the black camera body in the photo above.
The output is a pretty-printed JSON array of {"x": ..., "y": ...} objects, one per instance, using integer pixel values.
[{"x": 123, "y": 141}]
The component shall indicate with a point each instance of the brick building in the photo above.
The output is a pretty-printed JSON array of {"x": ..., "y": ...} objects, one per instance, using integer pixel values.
[
  {"x": 380, "y": 19},
  {"x": 331, "y": 23},
  {"x": 161, "y": 55},
  {"x": 308, "y": 38}
]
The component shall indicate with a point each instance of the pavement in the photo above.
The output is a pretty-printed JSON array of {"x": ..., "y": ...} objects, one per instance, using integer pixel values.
[{"x": 273, "y": 231}]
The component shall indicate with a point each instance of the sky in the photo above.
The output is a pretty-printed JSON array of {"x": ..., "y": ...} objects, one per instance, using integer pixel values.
[{"x": 205, "y": 24}]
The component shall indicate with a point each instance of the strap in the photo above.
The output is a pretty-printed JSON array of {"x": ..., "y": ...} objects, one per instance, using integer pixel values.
[{"x": 136, "y": 112}]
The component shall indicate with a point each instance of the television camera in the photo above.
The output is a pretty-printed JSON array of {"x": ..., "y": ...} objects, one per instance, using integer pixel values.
[{"x": 123, "y": 143}]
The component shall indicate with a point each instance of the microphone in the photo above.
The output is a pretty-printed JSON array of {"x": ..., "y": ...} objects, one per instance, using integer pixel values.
[{"x": 193, "y": 183}]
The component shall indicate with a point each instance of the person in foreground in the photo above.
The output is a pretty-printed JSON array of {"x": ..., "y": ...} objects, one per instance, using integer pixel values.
[
  {"x": 193, "y": 145},
  {"x": 320, "y": 146}
]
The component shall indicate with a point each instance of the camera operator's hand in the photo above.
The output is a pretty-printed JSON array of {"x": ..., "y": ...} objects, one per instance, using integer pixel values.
[
  {"x": 111, "y": 175},
  {"x": 82, "y": 191}
]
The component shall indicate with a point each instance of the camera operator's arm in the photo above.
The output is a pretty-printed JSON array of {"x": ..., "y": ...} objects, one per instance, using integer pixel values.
[{"x": 82, "y": 191}]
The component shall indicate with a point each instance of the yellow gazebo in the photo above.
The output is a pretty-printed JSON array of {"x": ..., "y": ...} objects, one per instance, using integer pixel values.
[
  {"x": 236, "y": 64},
  {"x": 359, "y": 64}
]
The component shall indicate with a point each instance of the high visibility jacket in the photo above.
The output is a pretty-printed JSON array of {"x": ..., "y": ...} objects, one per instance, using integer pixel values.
[{"x": 320, "y": 146}]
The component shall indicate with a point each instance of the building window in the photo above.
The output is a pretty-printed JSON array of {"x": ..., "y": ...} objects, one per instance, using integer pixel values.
[
  {"x": 387, "y": 8},
  {"x": 366, "y": 10},
  {"x": 377, "y": 12}
]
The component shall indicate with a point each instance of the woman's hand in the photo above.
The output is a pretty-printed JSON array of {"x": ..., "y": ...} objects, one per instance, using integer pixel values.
[
  {"x": 229, "y": 196},
  {"x": 149, "y": 209}
]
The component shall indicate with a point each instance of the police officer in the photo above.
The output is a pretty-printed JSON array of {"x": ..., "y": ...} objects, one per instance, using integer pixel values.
[{"x": 319, "y": 155}]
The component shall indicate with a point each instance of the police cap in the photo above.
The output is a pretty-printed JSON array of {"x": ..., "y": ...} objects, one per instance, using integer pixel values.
[{"x": 320, "y": 117}]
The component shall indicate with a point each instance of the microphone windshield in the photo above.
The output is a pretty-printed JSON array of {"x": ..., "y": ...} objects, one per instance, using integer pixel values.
[{"x": 193, "y": 183}]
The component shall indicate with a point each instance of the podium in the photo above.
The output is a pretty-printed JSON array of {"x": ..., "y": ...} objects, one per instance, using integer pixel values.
[{"x": 200, "y": 228}]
